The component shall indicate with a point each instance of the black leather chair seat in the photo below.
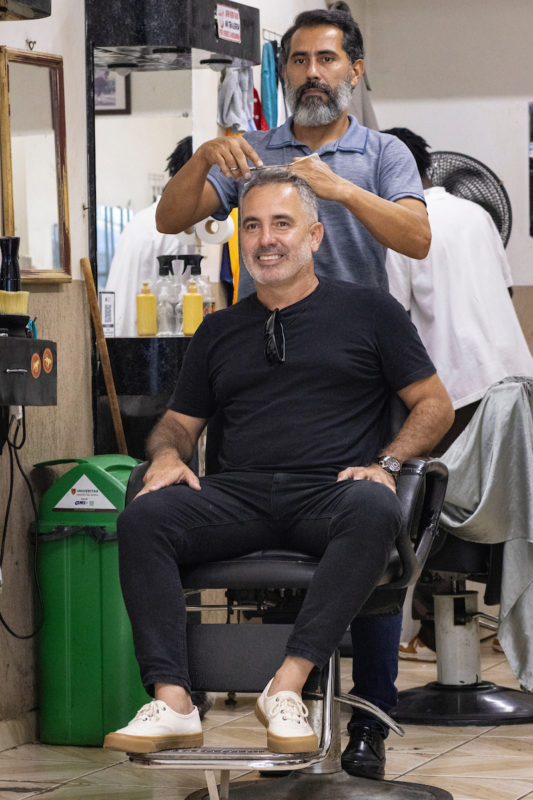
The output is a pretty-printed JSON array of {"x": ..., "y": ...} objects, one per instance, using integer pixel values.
[{"x": 267, "y": 569}]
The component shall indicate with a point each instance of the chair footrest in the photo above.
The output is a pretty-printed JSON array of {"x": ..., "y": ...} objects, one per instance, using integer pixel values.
[{"x": 250, "y": 758}]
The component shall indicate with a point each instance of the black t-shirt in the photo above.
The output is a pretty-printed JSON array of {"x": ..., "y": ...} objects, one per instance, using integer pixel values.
[{"x": 348, "y": 348}]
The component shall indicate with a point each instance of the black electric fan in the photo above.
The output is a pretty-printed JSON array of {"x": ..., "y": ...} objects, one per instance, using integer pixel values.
[{"x": 469, "y": 178}]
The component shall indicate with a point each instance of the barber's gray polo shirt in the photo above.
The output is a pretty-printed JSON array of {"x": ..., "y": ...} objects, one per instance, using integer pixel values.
[{"x": 377, "y": 162}]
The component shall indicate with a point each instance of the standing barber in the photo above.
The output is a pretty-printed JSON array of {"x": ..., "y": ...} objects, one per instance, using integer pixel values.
[{"x": 370, "y": 198}]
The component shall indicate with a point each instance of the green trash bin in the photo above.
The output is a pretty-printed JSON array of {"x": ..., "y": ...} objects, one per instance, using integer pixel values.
[{"x": 88, "y": 676}]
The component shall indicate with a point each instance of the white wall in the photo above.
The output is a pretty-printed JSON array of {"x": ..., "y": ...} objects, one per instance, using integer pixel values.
[
  {"x": 63, "y": 33},
  {"x": 460, "y": 74}
]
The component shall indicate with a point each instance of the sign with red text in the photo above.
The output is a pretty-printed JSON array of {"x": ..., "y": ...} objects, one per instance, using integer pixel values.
[{"x": 229, "y": 23}]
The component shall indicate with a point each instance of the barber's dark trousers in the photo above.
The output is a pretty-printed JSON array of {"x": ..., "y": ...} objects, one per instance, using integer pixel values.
[{"x": 350, "y": 525}]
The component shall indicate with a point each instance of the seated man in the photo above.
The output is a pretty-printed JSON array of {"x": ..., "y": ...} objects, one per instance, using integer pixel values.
[{"x": 302, "y": 373}]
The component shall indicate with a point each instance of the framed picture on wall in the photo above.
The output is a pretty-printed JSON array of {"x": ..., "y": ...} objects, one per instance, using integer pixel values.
[{"x": 112, "y": 92}]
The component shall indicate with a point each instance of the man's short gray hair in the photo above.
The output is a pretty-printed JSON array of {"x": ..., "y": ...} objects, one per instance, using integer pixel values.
[{"x": 267, "y": 176}]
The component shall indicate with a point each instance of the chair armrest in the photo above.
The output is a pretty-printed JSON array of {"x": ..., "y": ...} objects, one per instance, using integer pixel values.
[
  {"x": 421, "y": 490},
  {"x": 135, "y": 481}
]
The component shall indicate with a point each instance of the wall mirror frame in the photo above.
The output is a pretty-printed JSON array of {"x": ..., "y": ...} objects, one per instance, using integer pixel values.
[{"x": 58, "y": 239}]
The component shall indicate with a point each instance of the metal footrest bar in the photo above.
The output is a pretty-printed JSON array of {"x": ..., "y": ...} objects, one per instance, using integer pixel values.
[
  {"x": 364, "y": 705},
  {"x": 230, "y": 758}
]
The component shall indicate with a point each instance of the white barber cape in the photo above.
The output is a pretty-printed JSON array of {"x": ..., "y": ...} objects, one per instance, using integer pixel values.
[
  {"x": 135, "y": 261},
  {"x": 458, "y": 299}
]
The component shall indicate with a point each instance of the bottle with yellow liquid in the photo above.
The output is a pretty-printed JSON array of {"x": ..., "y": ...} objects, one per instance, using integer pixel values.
[
  {"x": 146, "y": 312},
  {"x": 193, "y": 312}
]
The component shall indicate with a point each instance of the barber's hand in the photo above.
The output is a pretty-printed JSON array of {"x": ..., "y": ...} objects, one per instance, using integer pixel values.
[
  {"x": 166, "y": 470},
  {"x": 230, "y": 154},
  {"x": 325, "y": 183},
  {"x": 371, "y": 473}
]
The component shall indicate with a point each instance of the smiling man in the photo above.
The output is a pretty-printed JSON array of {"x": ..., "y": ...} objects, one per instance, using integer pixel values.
[
  {"x": 370, "y": 198},
  {"x": 299, "y": 470}
]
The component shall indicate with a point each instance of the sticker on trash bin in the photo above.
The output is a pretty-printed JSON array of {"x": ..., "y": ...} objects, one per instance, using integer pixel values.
[{"x": 84, "y": 496}]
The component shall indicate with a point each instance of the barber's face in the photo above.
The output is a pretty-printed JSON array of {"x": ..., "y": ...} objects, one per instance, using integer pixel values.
[
  {"x": 277, "y": 236},
  {"x": 319, "y": 75}
]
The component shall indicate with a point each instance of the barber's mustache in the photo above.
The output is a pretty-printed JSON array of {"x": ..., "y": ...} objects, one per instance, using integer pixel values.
[{"x": 323, "y": 87}]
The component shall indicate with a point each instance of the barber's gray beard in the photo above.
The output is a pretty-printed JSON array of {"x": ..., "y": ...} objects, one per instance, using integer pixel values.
[{"x": 313, "y": 111}]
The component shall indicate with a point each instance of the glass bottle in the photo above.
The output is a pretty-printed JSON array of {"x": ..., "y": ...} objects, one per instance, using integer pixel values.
[{"x": 9, "y": 269}]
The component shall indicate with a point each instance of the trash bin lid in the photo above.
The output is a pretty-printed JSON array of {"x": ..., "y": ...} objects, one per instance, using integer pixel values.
[{"x": 92, "y": 493}]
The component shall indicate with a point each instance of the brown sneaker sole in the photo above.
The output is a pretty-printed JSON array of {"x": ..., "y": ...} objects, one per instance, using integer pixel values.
[
  {"x": 285, "y": 744},
  {"x": 151, "y": 744}
]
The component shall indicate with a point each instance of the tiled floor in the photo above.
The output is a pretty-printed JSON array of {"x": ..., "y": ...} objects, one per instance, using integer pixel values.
[{"x": 472, "y": 763}]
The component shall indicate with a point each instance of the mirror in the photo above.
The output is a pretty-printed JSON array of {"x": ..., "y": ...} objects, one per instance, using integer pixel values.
[
  {"x": 140, "y": 118},
  {"x": 33, "y": 162}
]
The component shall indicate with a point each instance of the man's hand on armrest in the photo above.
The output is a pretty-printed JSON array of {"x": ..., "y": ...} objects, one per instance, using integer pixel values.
[
  {"x": 371, "y": 473},
  {"x": 166, "y": 469},
  {"x": 171, "y": 443}
]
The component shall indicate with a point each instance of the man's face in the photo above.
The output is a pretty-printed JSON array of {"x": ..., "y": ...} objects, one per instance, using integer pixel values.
[
  {"x": 319, "y": 75},
  {"x": 277, "y": 235}
]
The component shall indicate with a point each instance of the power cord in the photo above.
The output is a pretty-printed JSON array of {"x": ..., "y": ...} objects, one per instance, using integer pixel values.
[{"x": 14, "y": 445}]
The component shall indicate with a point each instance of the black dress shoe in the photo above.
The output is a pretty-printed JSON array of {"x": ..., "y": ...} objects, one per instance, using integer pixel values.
[{"x": 364, "y": 756}]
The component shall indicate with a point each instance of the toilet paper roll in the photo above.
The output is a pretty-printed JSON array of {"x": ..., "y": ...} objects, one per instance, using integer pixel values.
[
  {"x": 214, "y": 231},
  {"x": 188, "y": 236}
]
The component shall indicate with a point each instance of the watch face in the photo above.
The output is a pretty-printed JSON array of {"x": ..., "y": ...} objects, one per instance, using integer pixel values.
[{"x": 390, "y": 464}]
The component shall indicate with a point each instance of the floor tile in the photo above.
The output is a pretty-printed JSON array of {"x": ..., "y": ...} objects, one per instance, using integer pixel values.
[
  {"x": 399, "y": 763},
  {"x": 81, "y": 790},
  {"x": 84, "y": 756},
  {"x": 500, "y": 747},
  {"x": 512, "y": 731},
  {"x": 480, "y": 789},
  {"x": 431, "y": 739},
  {"x": 458, "y": 763},
  {"x": 22, "y": 789}
]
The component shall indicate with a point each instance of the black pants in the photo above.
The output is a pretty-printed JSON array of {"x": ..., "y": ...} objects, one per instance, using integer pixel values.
[{"x": 351, "y": 525}]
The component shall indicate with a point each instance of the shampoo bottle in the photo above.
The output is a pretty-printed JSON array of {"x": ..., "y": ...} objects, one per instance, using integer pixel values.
[
  {"x": 146, "y": 312},
  {"x": 192, "y": 308}
]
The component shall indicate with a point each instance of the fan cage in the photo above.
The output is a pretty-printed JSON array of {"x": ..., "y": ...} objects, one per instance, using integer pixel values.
[{"x": 470, "y": 179}]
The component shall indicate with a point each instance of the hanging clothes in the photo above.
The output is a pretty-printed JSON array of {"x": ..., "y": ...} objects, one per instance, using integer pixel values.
[
  {"x": 269, "y": 85},
  {"x": 361, "y": 106},
  {"x": 259, "y": 118},
  {"x": 236, "y": 100}
]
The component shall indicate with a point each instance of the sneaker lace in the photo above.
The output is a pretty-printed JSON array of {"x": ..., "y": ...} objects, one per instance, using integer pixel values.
[
  {"x": 290, "y": 709},
  {"x": 150, "y": 711}
]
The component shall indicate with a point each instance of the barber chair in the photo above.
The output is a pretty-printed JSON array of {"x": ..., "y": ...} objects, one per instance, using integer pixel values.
[
  {"x": 244, "y": 657},
  {"x": 459, "y": 696}
]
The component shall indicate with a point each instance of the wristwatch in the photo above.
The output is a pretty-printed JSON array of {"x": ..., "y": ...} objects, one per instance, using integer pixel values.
[{"x": 390, "y": 465}]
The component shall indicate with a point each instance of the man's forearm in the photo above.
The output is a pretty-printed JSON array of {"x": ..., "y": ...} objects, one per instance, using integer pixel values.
[
  {"x": 425, "y": 426},
  {"x": 169, "y": 435},
  {"x": 180, "y": 205},
  {"x": 393, "y": 224}
]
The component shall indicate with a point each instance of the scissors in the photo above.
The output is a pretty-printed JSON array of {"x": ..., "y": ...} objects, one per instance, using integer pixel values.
[{"x": 277, "y": 166}]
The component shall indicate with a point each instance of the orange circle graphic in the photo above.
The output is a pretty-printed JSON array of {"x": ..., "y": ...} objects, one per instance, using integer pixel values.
[
  {"x": 48, "y": 360},
  {"x": 35, "y": 365}
]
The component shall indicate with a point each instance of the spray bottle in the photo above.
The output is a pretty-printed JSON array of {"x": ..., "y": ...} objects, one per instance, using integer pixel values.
[
  {"x": 168, "y": 293},
  {"x": 192, "y": 269}
]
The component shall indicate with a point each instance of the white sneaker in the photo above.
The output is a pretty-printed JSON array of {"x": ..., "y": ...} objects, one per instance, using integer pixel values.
[
  {"x": 285, "y": 717},
  {"x": 416, "y": 650},
  {"x": 157, "y": 727}
]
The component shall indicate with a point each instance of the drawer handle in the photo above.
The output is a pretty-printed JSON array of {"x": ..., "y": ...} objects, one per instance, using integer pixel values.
[{"x": 18, "y": 371}]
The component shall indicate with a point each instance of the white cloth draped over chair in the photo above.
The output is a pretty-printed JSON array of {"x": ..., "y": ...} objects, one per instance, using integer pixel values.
[{"x": 490, "y": 499}]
